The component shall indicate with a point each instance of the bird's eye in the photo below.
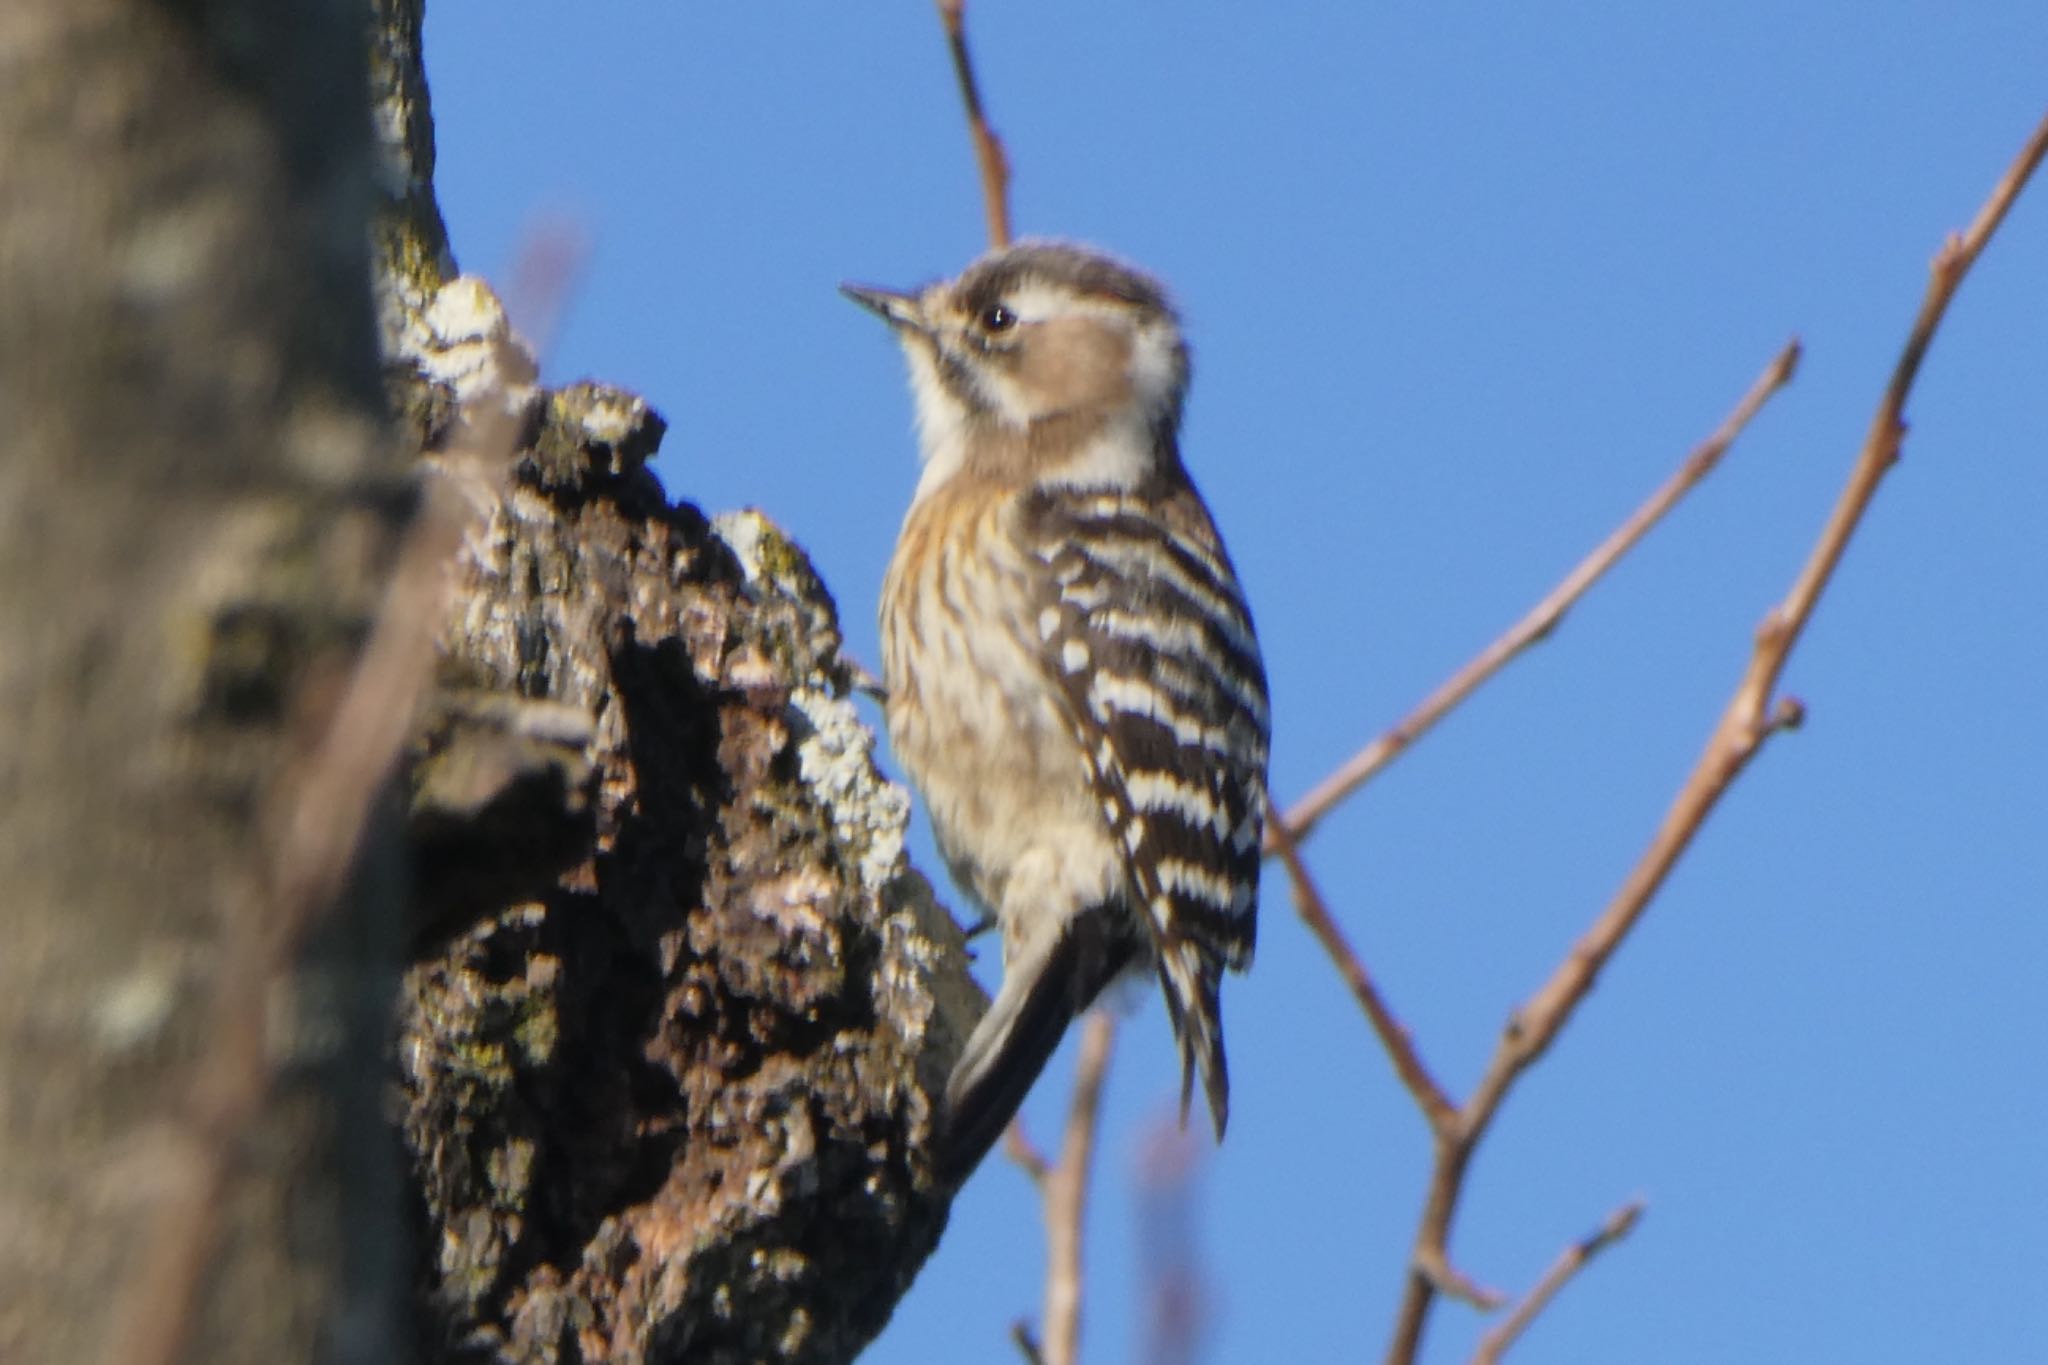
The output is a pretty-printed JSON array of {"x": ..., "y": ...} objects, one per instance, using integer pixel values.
[{"x": 996, "y": 318}]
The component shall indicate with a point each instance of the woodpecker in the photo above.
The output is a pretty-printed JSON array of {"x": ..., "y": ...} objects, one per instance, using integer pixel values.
[{"x": 1072, "y": 677}]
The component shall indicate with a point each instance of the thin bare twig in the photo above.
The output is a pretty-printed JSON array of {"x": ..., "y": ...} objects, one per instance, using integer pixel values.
[
  {"x": 1429, "y": 1094},
  {"x": 988, "y": 148},
  {"x": 1018, "y": 1146},
  {"x": 1750, "y": 718},
  {"x": 1450, "y": 1124},
  {"x": 1027, "y": 1345},
  {"x": 1066, "y": 1193},
  {"x": 1169, "y": 1248},
  {"x": 1569, "y": 1263},
  {"x": 1541, "y": 619}
]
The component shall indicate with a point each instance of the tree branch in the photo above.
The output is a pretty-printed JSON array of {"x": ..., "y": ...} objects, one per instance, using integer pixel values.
[
  {"x": 988, "y": 148},
  {"x": 1541, "y": 619},
  {"x": 1569, "y": 1263},
  {"x": 1449, "y": 1123},
  {"x": 1018, "y": 1146},
  {"x": 1750, "y": 718},
  {"x": 1430, "y": 1096}
]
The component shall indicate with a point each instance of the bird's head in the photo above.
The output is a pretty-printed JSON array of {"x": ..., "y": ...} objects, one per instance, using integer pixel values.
[{"x": 1036, "y": 355}]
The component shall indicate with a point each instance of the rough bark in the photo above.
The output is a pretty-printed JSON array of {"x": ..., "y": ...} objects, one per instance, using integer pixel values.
[
  {"x": 195, "y": 504},
  {"x": 679, "y": 1007}
]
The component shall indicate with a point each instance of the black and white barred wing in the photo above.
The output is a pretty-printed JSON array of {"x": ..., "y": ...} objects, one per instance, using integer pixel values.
[{"x": 1143, "y": 622}]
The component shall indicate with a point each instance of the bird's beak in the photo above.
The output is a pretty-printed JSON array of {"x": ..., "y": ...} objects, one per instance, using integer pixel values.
[{"x": 899, "y": 310}]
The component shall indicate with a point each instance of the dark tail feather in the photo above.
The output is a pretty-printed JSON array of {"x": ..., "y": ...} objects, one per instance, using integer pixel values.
[
  {"x": 1193, "y": 987},
  {"x": 1018, "y": 1035}
]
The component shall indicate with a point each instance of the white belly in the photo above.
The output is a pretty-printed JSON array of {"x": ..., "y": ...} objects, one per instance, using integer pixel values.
[{"x": 978, "y": 728}]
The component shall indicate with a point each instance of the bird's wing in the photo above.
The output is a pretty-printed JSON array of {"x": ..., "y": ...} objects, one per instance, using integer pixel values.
[{"x": 1142, "y": 621}]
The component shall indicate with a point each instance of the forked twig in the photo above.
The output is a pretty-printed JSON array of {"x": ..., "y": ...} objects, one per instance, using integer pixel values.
[
  {"x": 1541, "y": 619},
  {"x": 988, "y": 148},
  {"x": 1750, "y": 718},
  {"x": 1451, "y": 1124},
  {"x": 1434, "y": 1265},
  {"x": 1569, "y": 1263}
]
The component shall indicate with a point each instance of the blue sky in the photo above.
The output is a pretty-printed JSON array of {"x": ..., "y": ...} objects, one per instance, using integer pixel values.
[{"x": 1464, "y": 283}]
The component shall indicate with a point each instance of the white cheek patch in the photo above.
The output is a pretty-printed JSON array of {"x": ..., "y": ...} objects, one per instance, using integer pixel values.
[
  {"x": 941, "y": 419},
  {"x": 1155, "y": 366},
  {"x": 1155, "y": 369},
  {"x": 1120, "y": 456}
]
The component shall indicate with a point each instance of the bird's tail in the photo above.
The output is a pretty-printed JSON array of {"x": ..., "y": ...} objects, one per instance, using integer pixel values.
[
  {"x": 1019, "y": 1034},
  {"x": 1193, "y": 982}
]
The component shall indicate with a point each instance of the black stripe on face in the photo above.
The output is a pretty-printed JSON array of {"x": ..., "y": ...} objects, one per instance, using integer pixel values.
[{"x": 956, "y": 375}]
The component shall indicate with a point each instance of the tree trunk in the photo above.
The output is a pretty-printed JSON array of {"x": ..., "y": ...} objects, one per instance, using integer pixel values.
[{"x": 195, "y": 503}]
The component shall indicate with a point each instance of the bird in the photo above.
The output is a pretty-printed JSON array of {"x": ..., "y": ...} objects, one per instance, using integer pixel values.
[{"x": 1072, "y": 680}]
